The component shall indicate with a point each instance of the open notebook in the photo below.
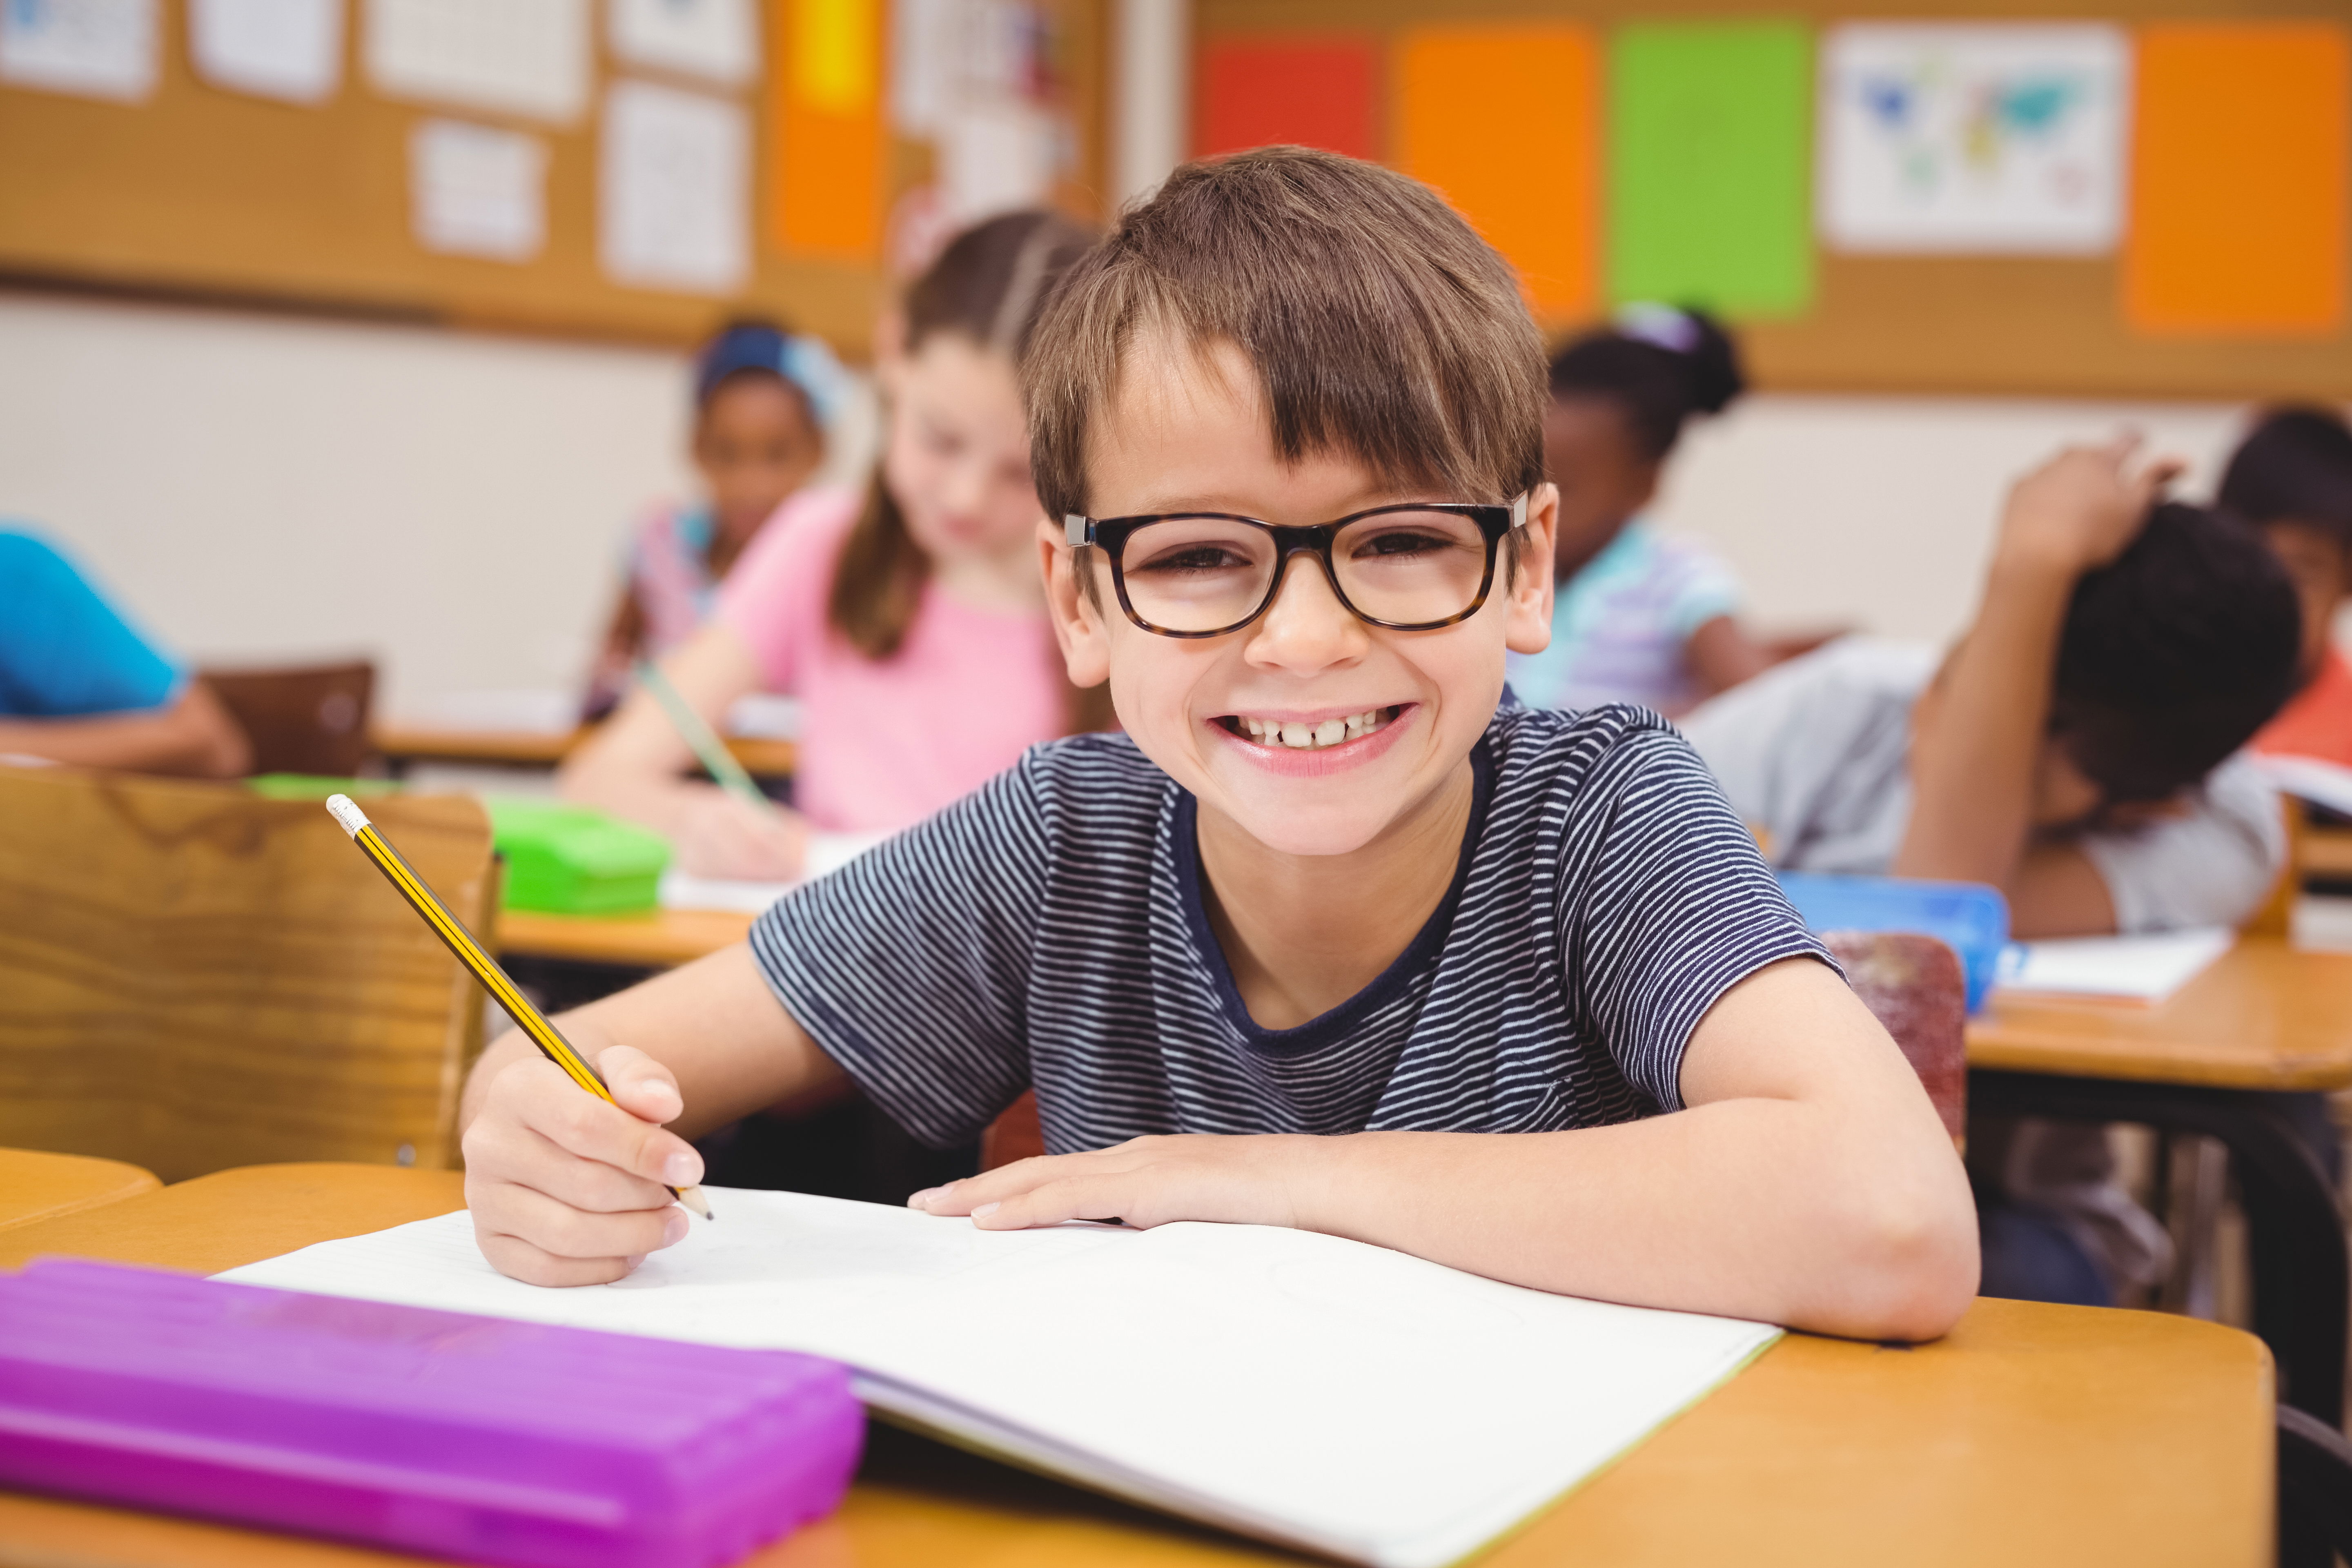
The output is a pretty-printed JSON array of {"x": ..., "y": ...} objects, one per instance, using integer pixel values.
[{"x": 1321, "y": 1393}]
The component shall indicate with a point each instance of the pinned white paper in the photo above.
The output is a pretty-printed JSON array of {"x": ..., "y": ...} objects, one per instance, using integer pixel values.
[
  {"x": 510, "y": 57},
  {"x": 91, "y": 48},
  {"x": 718, "y": 39},
  {"x": 289, "y": 49},
  {"x": 923, "y": 63},
  {"x": 997, "y": 158},
  {"x": 475, "y": 190},
  {"x": 1958, "y": 138},
  {"x": 672, "y": 207}
]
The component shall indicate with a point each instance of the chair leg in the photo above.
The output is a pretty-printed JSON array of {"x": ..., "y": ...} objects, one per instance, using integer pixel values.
[
  {"x": 2314, "y": 1481},
  {"x": 2199, "y": 1171}
]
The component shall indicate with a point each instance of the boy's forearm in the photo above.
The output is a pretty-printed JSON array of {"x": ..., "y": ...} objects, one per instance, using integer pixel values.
[
  {"x": 713, "y": 1023},
  {"x": 1973, "y": 773},
  {"x": 1751, "y": 1209},
  {"x": 194, "y": 737}
]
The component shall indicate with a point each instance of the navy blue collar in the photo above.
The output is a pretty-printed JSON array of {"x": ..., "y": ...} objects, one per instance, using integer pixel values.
[{"x": 1386, "y": 987}]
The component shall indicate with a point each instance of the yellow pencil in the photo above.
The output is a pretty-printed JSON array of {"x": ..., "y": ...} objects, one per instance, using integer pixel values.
[{"x": 460, "y": 941}]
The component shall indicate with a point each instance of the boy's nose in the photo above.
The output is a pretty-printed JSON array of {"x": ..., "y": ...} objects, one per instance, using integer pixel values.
[{"x": 1307, "y": 627}]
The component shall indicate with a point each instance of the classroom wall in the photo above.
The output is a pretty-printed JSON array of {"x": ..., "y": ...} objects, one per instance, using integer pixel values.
[{"x": 274, "y": 487}]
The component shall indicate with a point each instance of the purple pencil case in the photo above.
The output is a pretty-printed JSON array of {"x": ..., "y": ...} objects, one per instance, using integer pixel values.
[{"x": 475, "y": 1438}]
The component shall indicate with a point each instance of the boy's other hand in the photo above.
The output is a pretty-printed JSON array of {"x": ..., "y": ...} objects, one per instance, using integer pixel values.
[
  {"x": 569, "y": 1189},
  {"x": 717, "y": 835},
  {"x": 1251, "y": 1180},
  {"x": 2081, "y": 509}
]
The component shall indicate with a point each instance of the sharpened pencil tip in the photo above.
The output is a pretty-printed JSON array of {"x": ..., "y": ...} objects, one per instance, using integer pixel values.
[{"x": 695, "y": 1203}]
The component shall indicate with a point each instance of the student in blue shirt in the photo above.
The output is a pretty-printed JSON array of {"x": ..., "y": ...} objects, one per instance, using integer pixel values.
[
  {"x": 78, "y": 684},
  {"x": 1329, "y": 937}
]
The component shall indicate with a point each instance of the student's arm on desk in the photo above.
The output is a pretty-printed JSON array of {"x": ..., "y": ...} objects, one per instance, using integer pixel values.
[
  {"x": 1808, "y": 1181},
  {"x": 1980, "y": 761},
  {"x": 632, "y": 765},
  {"x": 192, "y": 735},
  {"x": 566, "y": 1189}
]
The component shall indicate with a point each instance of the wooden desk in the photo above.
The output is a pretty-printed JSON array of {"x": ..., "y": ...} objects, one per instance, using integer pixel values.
[
  {"x": 2032, "y": 1434},
  {"x": 2263, "y": 1017},
  {"x": 657, "y": 940},
  {"x": 401, "y": 744},
  {"x": 37, "y": 1185}
]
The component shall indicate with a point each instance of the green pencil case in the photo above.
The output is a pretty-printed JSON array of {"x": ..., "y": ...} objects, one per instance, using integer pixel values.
[{"x": 573, "y": 860}]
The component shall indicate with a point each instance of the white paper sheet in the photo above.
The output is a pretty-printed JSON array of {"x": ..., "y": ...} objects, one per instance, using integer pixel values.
[
  {"x": 1958, "y": 138},
  {"x": 528, "y": 58},
  {"x": 2128, "y": 968},
  {"x": 2310, "y": 778},
  {"x": 923, "y": 63},
  {"x": 475, "y": 190},
  {"x": 286, "y": 49},
  {"x": 672, "y": 209},
  {"x": 827, "y": 853},
  {"x": 996, "y": 158},
  {"x": 1338, "y": 1396},
  {"x": 91, "y": 48},
  {"x": 716, "y": 39},
  {"x": 764, "y": 716}
]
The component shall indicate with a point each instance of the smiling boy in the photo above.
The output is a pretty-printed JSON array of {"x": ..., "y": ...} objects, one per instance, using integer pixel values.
[{"x": 1329, "y": 938}]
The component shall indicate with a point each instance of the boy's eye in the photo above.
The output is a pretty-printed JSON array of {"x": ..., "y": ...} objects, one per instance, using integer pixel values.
[
  {"x": 1205, "y": 556},
  {"x": 1391, "y": 542}
]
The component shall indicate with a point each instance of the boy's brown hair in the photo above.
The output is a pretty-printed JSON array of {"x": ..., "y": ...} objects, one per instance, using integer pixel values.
[{"x": 1379, "y": 325}]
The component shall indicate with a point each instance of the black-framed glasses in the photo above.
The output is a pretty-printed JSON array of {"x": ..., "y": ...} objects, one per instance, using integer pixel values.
[{"x": 1409, "y": 568}]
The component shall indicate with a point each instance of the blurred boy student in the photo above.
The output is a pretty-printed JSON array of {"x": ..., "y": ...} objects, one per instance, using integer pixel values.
[
  {"x": 1326, "y": 916},
  {"x": 2292, "y": 478},
  {"x": 909, "y": 621},
  {"x": 764, "y": 401},
  {"x": 1638, "y": 616},
  {"x": 80, "y": 685},
  {"x": 2074, "y": 749}
]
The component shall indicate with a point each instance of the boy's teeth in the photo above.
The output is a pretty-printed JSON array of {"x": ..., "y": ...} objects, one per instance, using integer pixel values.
[{"x": 1308, "y": 737}]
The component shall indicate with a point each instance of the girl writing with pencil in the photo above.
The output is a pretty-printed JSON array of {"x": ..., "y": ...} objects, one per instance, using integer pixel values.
[{"x": 909, "y": 620}]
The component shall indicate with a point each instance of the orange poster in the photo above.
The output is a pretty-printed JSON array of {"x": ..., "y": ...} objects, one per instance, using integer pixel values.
[
  {"x": 1501, "y": 119},
  {"x": 827, "y": 160},
  {"x": 2241, "y": 218}
]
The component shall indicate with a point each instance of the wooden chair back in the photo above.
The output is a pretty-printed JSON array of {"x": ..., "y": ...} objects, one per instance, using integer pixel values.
[
  {"x": 1914, "y": 986},
  {"x": 1912, "y": 983},
  {"x": 2275, "y": 917},
  {"x": 192, "y": 977},
  {"x": 312, "y": 720}
]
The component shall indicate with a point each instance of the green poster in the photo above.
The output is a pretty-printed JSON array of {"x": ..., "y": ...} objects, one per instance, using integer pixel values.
[{"x": 1709, "y": 159}]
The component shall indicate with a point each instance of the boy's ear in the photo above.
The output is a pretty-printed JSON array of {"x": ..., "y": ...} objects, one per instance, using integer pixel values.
[
  {"x": 1084, "y": 643},
  {"x": 1529, "y": 629}
]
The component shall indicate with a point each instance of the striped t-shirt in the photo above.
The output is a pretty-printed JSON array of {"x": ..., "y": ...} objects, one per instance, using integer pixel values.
[{"x": 1048, "y": 930}]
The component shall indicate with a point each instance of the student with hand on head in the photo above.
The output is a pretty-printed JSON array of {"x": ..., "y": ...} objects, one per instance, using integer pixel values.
[
  {"x": 909, "y": 620},
  {"x": 2292, "y": 479},
  {"x": 2077, "y": 750},
  {"x": 1330, "y": 915},
  {"x": 1638, "y": 616},
  {"x": 764, "y": 401},
  {"x": 80, "y": 685}
]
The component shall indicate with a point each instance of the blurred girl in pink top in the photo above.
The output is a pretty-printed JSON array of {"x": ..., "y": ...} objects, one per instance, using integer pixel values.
[{"x": 909, "y": 620}]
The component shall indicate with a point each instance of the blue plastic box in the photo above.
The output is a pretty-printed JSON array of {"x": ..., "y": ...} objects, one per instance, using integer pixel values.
[{"x": 1968, "y": 917}]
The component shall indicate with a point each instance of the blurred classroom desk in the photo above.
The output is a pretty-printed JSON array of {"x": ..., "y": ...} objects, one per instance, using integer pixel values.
[
  {"x": 403, "y": 744},
  {"x": 657, "y": 938},
  {"x": 2031, "y": 1435},
  {"x": 2262, "y": 1018},
  {"x": 37, "y": 1185}
]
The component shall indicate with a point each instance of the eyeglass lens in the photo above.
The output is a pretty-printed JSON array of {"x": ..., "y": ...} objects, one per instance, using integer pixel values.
[{"x": 1205, "y": 573}]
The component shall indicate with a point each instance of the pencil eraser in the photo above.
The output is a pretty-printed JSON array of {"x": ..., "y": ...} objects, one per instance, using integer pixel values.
[
  {"x": 480, "y": 1439},
  {"x": 346, "y": 810}
]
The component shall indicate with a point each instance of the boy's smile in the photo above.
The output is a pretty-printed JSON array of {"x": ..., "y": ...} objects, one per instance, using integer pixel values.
[{"x": 1309, "y": 730}]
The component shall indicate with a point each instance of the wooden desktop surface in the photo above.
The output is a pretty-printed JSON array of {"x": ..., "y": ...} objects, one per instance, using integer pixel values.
[
  {"x": 541, "y": 747},
  {"x": 2031, "y": 1435},
  {"x": 2262, "y": 1015},
  {"x": 36, "y": 1185}
]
